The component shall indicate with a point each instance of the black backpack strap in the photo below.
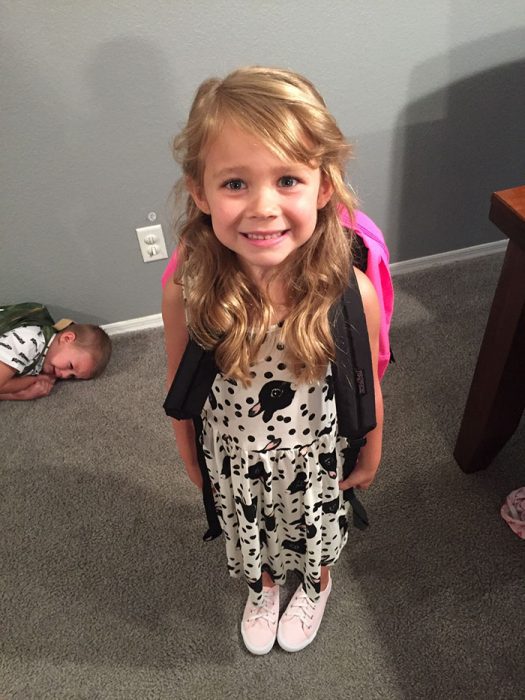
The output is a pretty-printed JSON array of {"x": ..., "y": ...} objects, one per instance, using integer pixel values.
[
  {"x": 185, "y": 400},
  {"x": 352, "y": 370},
  {"x": 214, "y": 526},
  {"x": 192, "y": 383}
]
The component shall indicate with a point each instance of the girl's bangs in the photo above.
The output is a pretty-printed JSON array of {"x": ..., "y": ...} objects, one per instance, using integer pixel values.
[{"x": 279, "y": 130}]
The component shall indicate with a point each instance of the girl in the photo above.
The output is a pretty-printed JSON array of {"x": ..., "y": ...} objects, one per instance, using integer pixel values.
[{"x": 262, "y": 259}]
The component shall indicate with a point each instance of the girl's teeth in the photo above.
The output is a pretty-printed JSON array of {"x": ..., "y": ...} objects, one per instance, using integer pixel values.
[{"x": 262, "y": 237}]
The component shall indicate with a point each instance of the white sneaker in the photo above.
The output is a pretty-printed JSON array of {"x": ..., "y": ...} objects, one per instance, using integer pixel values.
[
  {"x": 301, "y": 620},
  {"x": 259, "y": 622}
]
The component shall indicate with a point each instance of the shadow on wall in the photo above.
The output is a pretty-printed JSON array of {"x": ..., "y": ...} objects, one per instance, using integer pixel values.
[{"x": 456, "y": 146}]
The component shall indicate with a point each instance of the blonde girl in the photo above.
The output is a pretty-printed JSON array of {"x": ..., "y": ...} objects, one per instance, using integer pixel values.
[{"x": 262, "y": 259}]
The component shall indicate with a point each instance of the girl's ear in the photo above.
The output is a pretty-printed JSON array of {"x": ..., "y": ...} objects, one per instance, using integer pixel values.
[
  {"x": 326, "y": 190},
  {"x": 197, "y": 194}
]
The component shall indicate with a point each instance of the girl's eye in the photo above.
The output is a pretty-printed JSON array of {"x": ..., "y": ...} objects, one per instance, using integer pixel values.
[
  {"x": 234, "y": 185},
  {"x": 288, "y": 181}
]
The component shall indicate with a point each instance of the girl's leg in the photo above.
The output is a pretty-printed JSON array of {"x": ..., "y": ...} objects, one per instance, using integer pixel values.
[{"x": 267, "y": 580}]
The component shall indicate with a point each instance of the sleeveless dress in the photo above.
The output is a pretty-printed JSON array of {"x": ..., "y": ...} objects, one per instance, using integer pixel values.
[{"x": 275, "y": 460}]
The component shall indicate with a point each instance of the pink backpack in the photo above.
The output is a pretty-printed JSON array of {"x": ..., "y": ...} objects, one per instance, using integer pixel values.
[{"x": 377, "y": 271}]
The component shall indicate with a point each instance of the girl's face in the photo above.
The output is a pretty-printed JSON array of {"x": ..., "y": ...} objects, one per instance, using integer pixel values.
[{"x": 262, "y": 208}]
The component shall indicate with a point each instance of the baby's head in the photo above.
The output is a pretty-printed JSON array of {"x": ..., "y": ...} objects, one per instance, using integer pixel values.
[
  {"x": 80, "y": 351},
  {"x": 280, "y": 109}
]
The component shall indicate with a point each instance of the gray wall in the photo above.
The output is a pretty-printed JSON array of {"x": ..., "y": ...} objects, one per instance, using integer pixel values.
[{"x": 430, "y": 92}]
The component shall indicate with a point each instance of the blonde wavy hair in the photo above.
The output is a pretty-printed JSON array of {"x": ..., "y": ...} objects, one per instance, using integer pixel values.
[{"x": 225, "y": 310}]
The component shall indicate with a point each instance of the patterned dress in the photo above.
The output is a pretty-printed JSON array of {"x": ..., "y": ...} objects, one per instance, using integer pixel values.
[{"x": 275, "y": 459}]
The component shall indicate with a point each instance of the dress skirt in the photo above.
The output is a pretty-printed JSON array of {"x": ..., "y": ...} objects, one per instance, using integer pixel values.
[{"x": 275, "y": 460}]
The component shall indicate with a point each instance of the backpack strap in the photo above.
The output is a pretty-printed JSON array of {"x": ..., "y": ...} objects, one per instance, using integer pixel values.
[
  {"x": 352, "y": 369},
  {"x": 192, "y": 383},
  {"x": 185, "y": 400}
]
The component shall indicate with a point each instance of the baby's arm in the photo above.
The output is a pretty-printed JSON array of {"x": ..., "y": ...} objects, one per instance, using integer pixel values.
[
  {"x": 367, "y": 465},
  {"x": 175, "y": 339}
]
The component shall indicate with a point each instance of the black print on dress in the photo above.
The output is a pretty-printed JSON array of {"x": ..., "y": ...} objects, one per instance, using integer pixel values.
[
  {"x": 269, "y": 522},
  {"x": 34, "y": 343},
  {"x": 274, "y": 396},
  {"x": 250, "y": 511},
  {"x": 331, "y": 506},
  {"x": 299, "y": 483},
  {"x": 226, "y": 470},
  {"x": 311, "y": 531},
  {"x": 257, "y": 471},
  {"x": 262, "y": 537},
  {"x": 256, "y": 586},
  {"x": 328, "y": 463},
  {"x": 315, "y": 583},
  {"x": 212, "y": 400},
  {"x": 330, "y": 388},
  {"x": 343, "y": 524},
  {"x": 327, "y": 430},
  {"x": 20, "y": 340},
  {"x": 6, "y": 345},
  {"x": 17, "y": 361},
  {"x": 298, "y": 546}
]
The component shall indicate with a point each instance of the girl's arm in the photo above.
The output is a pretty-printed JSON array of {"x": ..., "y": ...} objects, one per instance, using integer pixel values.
[
  {"x": 175, "y": 339},
  {"x": 367, "y": 465}
]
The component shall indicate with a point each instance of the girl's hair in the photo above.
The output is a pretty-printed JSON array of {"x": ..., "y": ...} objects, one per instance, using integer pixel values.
[
  {"x": 225, "y": 309},
  {"x": 95, "y": 341}
]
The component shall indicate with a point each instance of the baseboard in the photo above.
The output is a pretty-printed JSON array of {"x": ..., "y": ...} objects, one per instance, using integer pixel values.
[
  {"x": 451, "y": 256},
  {"x": 134, "y": 324},
  {"x": 398, "y": 268}
]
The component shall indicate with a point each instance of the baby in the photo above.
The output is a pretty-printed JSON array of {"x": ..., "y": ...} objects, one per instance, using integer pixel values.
[{"x": 33, "y": 357}]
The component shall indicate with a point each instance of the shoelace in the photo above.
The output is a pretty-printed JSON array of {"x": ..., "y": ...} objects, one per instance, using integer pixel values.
[
  {"x": 302, "y": 608},
  {"x": 264, "y": 611}
]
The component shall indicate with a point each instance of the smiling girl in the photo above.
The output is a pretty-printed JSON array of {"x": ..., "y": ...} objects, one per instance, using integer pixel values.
[{"x": 263, "y": 259}]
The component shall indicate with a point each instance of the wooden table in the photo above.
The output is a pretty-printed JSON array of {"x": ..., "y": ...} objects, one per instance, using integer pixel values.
[{"x": 497, "y": 395}]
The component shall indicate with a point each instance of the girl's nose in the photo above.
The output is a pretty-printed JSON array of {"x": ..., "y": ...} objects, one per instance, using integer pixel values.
[{"x": 263, "y": 203}]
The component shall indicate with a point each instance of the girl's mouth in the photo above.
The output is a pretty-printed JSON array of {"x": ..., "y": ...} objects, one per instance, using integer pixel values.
[{"x": 261, "y": 236}]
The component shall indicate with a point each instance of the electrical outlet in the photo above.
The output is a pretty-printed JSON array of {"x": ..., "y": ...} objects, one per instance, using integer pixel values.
[{"x": 152, "y": 243}]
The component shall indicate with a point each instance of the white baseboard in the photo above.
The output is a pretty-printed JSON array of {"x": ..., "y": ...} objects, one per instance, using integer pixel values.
[
  {"x": 134, "y": 324},
  {"x": 475, "y": 251},
  {"x": 398, "y": 268}
]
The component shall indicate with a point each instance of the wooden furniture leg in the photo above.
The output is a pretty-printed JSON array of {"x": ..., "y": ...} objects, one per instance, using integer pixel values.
[{"x": 497, "y": 395}]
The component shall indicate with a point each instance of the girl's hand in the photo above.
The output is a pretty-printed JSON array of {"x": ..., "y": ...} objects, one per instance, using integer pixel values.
[
  {"x": 194, "y": 473},
  {"x": 361, "y": 477}
]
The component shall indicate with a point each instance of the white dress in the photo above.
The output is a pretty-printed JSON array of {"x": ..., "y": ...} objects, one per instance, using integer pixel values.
[{"x": 275, "y": 459}]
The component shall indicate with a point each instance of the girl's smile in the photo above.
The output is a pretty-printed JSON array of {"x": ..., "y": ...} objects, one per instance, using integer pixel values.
[
  {"x": 265, "y": 238},
  {"x": 262, "y": 207}
]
